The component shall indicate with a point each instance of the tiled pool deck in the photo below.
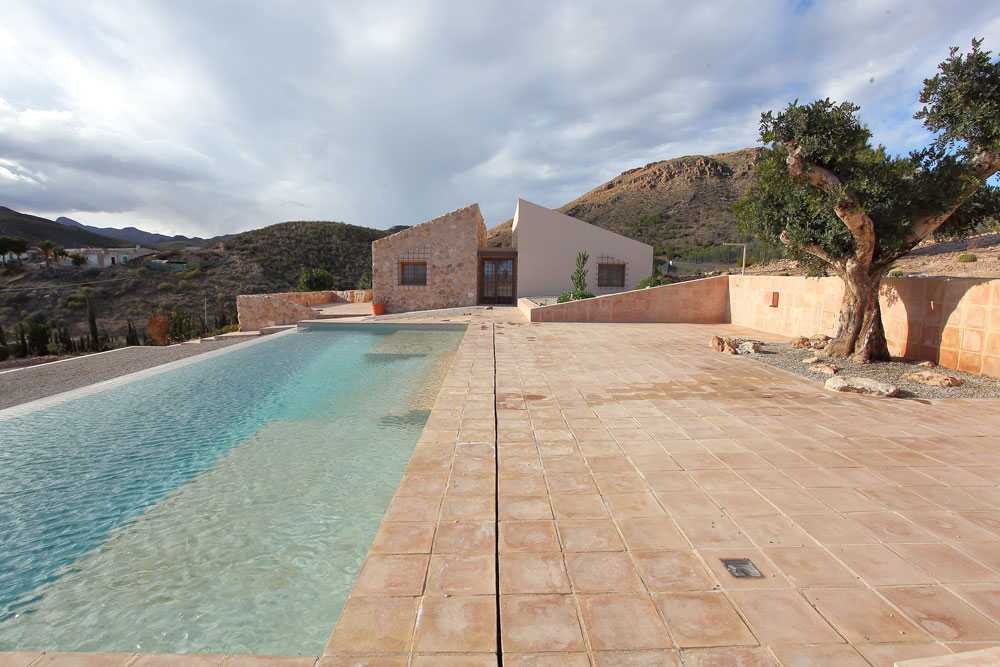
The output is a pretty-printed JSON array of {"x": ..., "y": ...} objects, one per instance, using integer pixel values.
[{"x": 631, "y": 461}]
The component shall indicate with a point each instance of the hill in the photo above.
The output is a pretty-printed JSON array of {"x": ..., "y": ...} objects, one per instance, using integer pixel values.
[
  {"x": 673, "y": 205},
  {"x": 132, "y": 235},
  {"x": 262, "y": 260},
  {"x": 35, "y": 229}
]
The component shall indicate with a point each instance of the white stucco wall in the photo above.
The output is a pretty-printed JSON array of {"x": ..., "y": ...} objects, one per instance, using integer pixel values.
[{"x": 547, "y": 243}]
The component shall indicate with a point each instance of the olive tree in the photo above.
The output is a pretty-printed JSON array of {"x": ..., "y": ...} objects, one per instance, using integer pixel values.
[{"x": 841, "y": 204}]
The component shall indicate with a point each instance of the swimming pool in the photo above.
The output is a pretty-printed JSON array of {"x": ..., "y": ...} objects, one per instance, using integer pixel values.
[{"x": 224, "y": 505}]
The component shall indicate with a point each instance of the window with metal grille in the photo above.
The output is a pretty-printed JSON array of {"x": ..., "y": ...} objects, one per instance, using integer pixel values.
[
  {"x": 611, "y": 275},
  {"x": 412, "y": 272}
]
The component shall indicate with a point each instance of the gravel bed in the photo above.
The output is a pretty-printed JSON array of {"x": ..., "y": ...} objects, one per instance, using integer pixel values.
[
  {"x": 789, "y": 358},
  {"x": 34, "y": 382}
]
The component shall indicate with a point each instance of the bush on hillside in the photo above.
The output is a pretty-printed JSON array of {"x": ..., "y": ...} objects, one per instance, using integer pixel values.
[
  {"x": 967, "y": 257},
  {"x": 315, "y": 280}
]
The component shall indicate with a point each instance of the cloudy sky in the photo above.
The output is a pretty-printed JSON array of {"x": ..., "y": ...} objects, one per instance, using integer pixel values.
[{"x": 204, "y": 117}]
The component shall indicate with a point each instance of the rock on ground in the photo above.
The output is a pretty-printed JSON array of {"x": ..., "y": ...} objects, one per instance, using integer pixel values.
[
  {"x": 859, "y": 385},
  {"x": 934, "y": 379},
  {"x": 825, "y": 368},
  {"x": 731, "y": 345}
]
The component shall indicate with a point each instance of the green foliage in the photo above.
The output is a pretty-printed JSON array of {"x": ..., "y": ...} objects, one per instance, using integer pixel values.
[
  {"x": 365, "y": 281},
  {"x": 962, "y": 102},
  {"x": 165, "y": 287},
  {"x": 967, "y": 257},
  {"x": 4, "y": 353},
  {"x": 131, "y": 336},
  {"x": 315, "y": 280},
  {"x": 654, "y": 280},
  {"x": 95, "y": 336},
  {"x": 77, "y": 259},
  {"x": 579, "y": 277},
  {"x": 187, "y": 274},
  {"x": 182, "y": 326},
  {"x": 962, "y": 108},
  {"x": 574, "y": 295}
]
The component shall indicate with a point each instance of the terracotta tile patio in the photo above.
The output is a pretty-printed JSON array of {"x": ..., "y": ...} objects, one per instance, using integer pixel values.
[{"x": 631, "y": 460}]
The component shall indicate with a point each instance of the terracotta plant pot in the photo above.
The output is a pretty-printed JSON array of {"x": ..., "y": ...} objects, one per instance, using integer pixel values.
[{"x": 378, "y": 309}]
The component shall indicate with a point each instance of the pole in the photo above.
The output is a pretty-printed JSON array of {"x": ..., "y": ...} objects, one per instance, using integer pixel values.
[{"x": 743, "y": 271}]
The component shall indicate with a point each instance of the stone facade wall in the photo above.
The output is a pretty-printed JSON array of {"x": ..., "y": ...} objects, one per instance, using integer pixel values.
[
  {"x": 952, "y": 321},
  {"x": 257, "y": 311},
  {"x": 704, "y": 301},
  {"x": 449, "y": 245}
]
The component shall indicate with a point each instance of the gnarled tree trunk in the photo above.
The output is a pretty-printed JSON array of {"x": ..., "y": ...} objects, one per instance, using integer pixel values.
[{"x": 860, "y": 334}]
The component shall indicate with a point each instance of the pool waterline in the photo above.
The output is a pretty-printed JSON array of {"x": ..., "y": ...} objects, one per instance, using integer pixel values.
[{"x": 253, "y": 545}]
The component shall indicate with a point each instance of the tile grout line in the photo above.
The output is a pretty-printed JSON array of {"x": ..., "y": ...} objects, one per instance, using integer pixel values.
[{"x": 496, "y": 496}]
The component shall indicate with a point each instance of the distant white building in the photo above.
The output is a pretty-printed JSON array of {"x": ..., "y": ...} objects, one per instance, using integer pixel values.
[{"x": 103, "y": 257}]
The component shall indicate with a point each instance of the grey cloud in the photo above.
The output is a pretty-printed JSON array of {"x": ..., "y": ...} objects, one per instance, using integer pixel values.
[{"x": 213, "y": 117}]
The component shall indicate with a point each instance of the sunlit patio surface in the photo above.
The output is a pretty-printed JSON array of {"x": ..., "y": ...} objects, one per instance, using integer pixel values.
[{"x": 610, "y": 481}]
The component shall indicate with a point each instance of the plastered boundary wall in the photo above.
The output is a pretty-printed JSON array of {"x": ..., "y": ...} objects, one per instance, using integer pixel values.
[{"x": 952, "y": 321}]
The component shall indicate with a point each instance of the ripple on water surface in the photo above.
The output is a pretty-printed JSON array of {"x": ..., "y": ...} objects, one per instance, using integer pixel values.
[{"x": 224, "y": 506}]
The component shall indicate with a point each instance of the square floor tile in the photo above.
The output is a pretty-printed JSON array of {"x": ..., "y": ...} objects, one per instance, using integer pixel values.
[
  {"x": 374, "y": 624},
  {"x": 784, "y": 617},
  {"x": 456, "y": 537},
  {"x": 823, "y": 655},
  {"x": 861, "y": 616},
  {"x": 589, "y": 535},
  {"x": 602, "y": 572},
  {"x": 652, "y": 534},
  {"x": 672, "y": 571},
  {"x": 528, "y": 536},
  {"x": 622, "y": 622},
  {"x": 878, "y": 565},
  {"x": 522, "y": 573},
  {"x": 524, "y": 508},
  {"x": 810, "y": 566},
  {"x": 945, "y": 563},
  {"x": 703, "y": 619},
  {"x": 461, "y": 574},
  {"x": 578, "y": 506},
  {"x": 404, "y": 538},
  {"x": 941, "y": 614},
  {"x": 716, "y": 530},
  {"x": 540, "y": 623},
  {"x": 392, "y": 575},
  {"x": 456, "y": 624}
]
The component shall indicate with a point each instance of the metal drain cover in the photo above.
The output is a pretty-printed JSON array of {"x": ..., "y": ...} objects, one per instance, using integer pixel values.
[{"x": 741, "y": 567}]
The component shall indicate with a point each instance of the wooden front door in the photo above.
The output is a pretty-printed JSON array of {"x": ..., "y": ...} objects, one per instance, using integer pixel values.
[{"x": 497, "y": 280}]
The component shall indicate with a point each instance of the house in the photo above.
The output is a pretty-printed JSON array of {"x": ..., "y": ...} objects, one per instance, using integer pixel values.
[
  {"x": 102, "y": 257},
  {"x": 444, "y": 263}
]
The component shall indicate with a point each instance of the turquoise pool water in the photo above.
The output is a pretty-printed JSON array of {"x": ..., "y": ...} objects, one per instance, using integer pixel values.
[{"x": 222, "y": 506}]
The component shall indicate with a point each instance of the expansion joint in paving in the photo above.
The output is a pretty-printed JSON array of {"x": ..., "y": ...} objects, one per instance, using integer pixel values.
[{"x": 496, "y": 494}]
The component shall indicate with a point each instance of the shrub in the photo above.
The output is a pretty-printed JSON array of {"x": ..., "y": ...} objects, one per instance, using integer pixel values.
[
  {"x": 315, "y": 280},
  {"x": 193, "y": 272},
  {"x": 573, "y": 295},
  {"x": 579, "y": 277},
  {"x": 654, "y": 280},
  {"x": 164, "y": 287},
  {"x": 967, "y": 257},
  {"x": 4, "y": 353},
  {"x": 897, "y": 273}
]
